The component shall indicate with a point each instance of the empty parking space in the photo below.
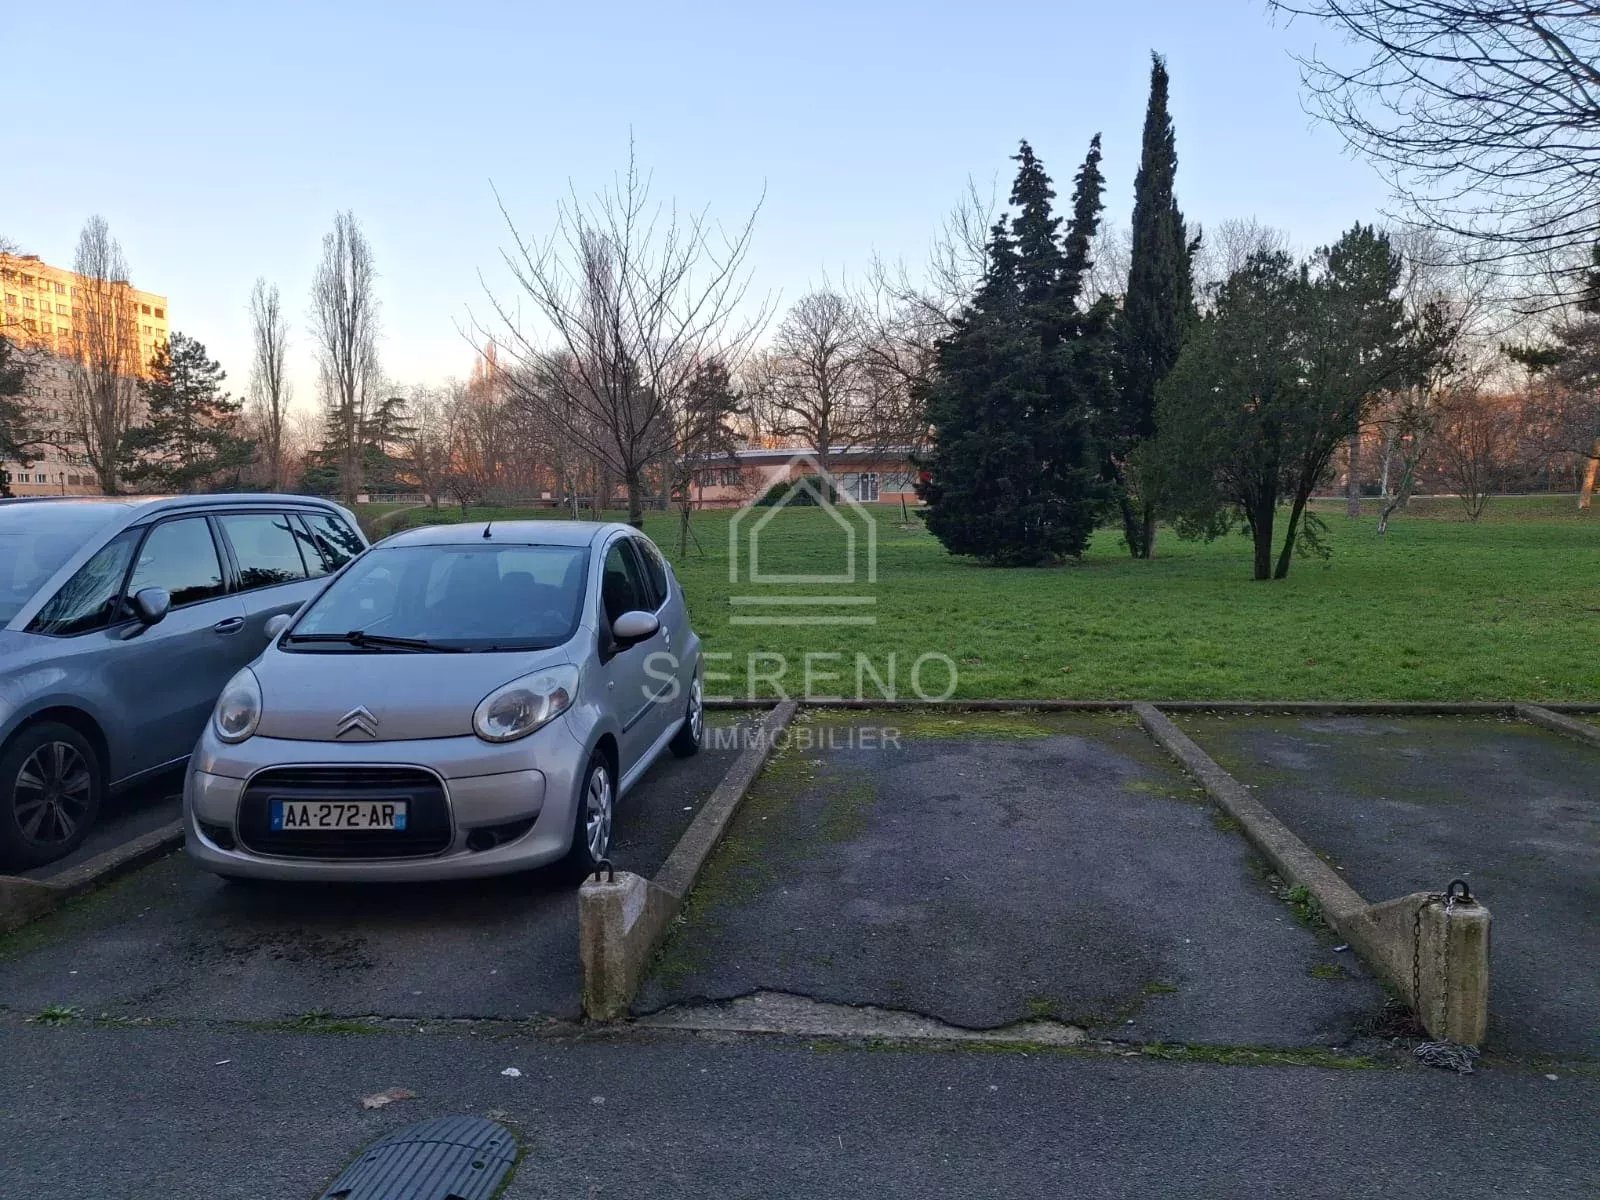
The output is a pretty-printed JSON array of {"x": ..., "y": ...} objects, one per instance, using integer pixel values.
[
  {"x": 170, "y": 941},
  {"x": 1407, "y": 804},
  {"x": 987, "y": 868}
]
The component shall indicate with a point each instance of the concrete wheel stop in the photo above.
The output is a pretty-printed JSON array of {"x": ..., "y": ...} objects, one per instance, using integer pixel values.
[
  {"x": 447, "y": 1158},
  {"x": 1431, "y": 948},
  {"x": 622, "y": 917}
]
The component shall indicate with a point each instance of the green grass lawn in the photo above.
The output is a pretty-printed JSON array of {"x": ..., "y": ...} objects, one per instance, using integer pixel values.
[{"x": 1440, "y": 609}]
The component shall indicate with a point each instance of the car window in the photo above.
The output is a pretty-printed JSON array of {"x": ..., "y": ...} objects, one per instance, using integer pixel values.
[
  {"x": 655, "y": 570},
  {"x": 35, "y": 539},
  {"x": 181, "y": 557},
  {"x": 622, "y": 587},
  {"x": 335, "y": 540},
  {"x": 265, "y": 547},
  {"x": 87, "y": 601}
]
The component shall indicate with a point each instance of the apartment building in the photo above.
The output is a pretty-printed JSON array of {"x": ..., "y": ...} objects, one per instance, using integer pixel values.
[{"x": 47, "y": 310}]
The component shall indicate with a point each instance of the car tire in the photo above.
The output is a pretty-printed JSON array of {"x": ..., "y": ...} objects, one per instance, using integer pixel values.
[
  {"x": 597, "y": 801},
  {"x": 51, "y": 787},
  {"x": 686, "y": 742}
]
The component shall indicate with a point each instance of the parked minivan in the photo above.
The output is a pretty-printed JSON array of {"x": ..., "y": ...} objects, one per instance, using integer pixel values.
[{"x": 121, "y": 618}]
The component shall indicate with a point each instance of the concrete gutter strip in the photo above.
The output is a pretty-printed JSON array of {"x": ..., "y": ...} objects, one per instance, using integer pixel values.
[
  {"x": 1291, "y": 858},
  {"x": 23, "y": 900},
  {"x": 1536, "y": 714},
  {"x": 1437, "y": 958},
  {"x": 1325, "y": 708},
  {"x": 622, "y": 919}
]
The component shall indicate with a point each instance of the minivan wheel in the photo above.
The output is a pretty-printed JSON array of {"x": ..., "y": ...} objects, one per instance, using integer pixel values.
[
  {"x": 591, "y": 833},
  {"x": 687, "y": 740},
  {"x": 51, "y": 784}
]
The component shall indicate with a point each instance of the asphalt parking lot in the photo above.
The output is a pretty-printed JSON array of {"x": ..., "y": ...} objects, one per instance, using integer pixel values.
[
  {"x": 170, "y": 941},
  {"x": 1406, "y": 804},
  {"x": 991, "y": 868}
]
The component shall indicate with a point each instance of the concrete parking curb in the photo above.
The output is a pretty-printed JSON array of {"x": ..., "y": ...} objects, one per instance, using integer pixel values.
[
  {"x": 1320, "y": 708},
  {"x": 1538, "y": 714},
  {"x": 622, "y": 919},
  {"x": 23, "y": 900},
  {"x": 1433, "y": 953}
]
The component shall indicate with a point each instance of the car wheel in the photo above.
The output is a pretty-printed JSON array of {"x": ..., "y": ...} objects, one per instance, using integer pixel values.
[
  {"x": 687, "y": 740},
  {"x": 591, "y": 833},
  {"x": 51, "y": 783}
]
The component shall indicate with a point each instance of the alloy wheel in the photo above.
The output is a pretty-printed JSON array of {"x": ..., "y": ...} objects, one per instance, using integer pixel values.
[
  {"x": 53, "y": 793},
  {"x": 597, "y": 815}
]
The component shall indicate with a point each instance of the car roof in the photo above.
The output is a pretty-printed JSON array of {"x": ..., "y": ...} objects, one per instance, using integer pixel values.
[
  {"x": 515, "y": 533},
  {"x": 152, "y": 504}
]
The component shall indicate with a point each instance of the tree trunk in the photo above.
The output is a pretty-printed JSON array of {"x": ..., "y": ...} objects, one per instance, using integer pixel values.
[
  {"x": 635, "y": 488},
  {"x": 1288, "y": 537},
  {"x": 1261, "y": 532},
  {"x": 1132, "y": 526},
  {"x": 1590, "y": 469},
  {"x": 1352, "y": 486},
  {"x": 1147, "y": 548}
]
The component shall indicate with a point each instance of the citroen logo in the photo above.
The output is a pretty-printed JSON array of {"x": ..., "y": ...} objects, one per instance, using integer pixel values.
[{"x": 358, "y": 719}]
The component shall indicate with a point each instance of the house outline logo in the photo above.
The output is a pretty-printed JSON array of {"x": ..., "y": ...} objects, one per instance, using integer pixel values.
[{"x": 859, "y": 531}]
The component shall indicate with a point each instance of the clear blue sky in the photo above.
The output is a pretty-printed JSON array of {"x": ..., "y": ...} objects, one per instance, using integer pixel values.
[{"x": 218, "y": 138}]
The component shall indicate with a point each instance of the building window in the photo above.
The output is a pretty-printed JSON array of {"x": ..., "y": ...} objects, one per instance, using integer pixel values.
[
  {"x": 11, "y": 300},
  {"x": 61, "y": 310},
  {"x": 27, "y": 281},
  {"x": 162, "y": 313},
  {"x": 27, "y": 302},
  {"x": 898, "y": 481},
  {"x": 61, "y": 289},
  {"x": 862, "y": 487},
  {"x": 730, "y": 476}
]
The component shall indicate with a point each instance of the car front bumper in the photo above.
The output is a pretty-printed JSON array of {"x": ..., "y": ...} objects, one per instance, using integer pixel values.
[{"x": 486, "y": 787}]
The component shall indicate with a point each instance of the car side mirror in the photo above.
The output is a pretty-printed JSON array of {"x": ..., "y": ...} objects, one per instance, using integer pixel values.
[
  {"x": 633, "y": 627},
  {"x": 151, "y": 605},
  {"x": 277, "y": 624}
]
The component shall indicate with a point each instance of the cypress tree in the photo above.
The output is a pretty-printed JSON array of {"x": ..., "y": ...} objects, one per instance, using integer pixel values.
[
  {"x": 1012, "y": 475},
  {"x": 1156, "y": 308}
]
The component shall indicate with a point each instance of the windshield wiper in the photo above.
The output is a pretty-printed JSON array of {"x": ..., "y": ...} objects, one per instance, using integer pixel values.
[{"x": 361, "y": 638}]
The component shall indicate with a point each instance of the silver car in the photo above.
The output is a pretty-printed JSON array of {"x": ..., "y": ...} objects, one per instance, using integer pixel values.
[
  {"x": 462, "y": 700},
  {"x": 120, "y": 621}
]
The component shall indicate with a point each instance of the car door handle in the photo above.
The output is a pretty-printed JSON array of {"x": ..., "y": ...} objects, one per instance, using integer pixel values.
[{"x": 231, "y": 625}]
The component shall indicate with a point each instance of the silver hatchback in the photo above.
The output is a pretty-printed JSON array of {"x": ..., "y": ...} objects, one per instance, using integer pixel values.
[{"x": 462, "y": 700}]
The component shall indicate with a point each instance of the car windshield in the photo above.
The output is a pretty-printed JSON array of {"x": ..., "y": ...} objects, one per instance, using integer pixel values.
[
  {"x": 409, "y": 598},
  {"x": 35, "y": 539}
]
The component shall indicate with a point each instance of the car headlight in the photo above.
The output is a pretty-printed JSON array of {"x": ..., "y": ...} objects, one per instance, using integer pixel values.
[
  {"x": 238, "y": 709},
  {"x": 523, "y": 705}
]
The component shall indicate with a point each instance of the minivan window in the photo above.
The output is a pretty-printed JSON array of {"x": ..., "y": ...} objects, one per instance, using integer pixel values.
[
  {"x": 181, "y": 557},
  {"x": 504, "y": 597},
  {"x": 265, "y": 548},
  {"x": 36, "y": 538},
  {"x": 88, "y": 601},
  {"x": 337, "y": 542}
]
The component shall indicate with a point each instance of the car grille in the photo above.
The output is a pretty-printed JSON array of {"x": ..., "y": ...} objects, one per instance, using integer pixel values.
[{"x": 427, "y": 828}]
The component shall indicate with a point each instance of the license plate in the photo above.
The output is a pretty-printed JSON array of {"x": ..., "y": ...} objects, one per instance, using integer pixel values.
[{"x": 316, "y": 816}]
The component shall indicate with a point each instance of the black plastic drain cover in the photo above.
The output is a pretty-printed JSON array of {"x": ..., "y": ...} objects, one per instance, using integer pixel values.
[{"x": 448, "y": 1158}]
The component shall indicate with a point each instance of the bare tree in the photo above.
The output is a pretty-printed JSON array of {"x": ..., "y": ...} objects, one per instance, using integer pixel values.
[
  {"x": 1227, "y": 246},
  {"x": 1482, "y": 113},
  {"x": 270, "y": 392},
  {"x": 635, "y": 298},
  {"x": 424, "y": 445},
  {"x": 817, "y": 389},
  {"x": 344, "y": 321},
  {"x": 104, "y": 364},
  {"x": 1474, "y": 441}
]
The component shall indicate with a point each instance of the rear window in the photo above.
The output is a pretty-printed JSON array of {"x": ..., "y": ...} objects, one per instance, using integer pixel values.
[
  {"x": 334, "y": 541},
  {"x": 456, "y": 597},
  {"x": 265, "y": 548}
]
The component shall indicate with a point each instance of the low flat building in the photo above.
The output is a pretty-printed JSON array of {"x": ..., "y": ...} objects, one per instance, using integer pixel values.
[{"x": 870, "y": 476}]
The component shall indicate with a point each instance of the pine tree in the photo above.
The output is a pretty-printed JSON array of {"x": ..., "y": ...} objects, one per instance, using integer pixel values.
[
  {"x": 1156, "y": 309},
  {"x": 1012, "y": 475},
  {"x": 188, "y": 438}
]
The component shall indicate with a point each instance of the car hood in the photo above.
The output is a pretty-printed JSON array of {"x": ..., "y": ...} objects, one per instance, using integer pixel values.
[{"x": 306, "y": 696}]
